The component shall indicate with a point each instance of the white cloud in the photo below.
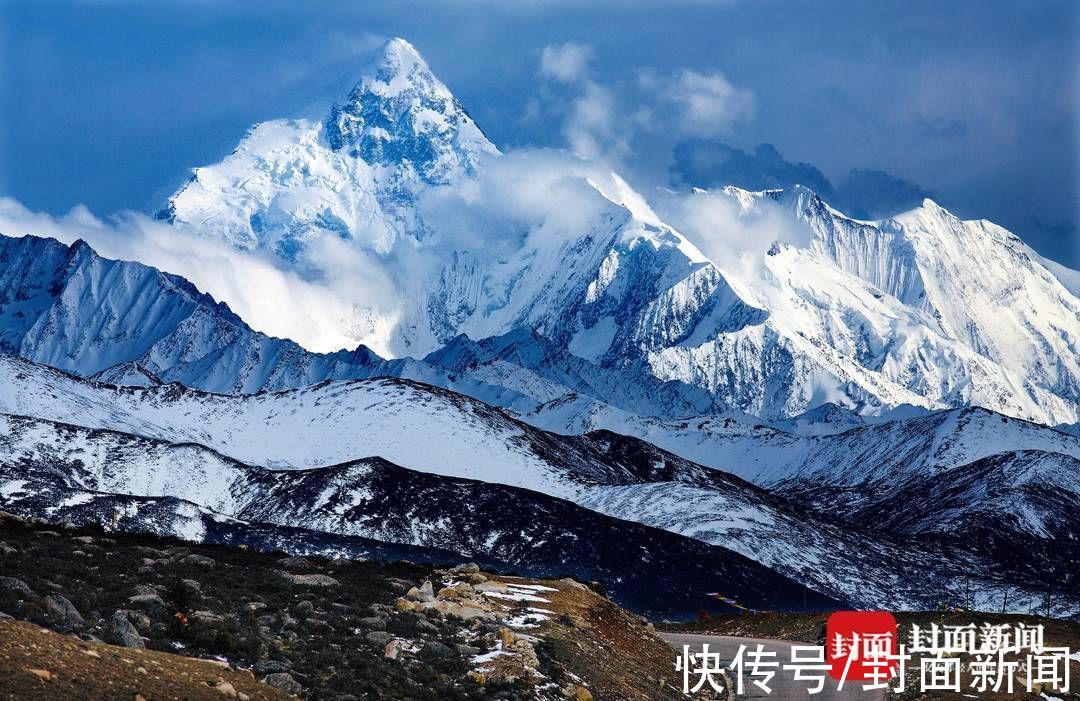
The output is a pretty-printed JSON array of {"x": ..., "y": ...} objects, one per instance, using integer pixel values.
[
  {"x": 274, "y": 301},
  {"x": 601, "y": 121},
  {"x": 735, "y": 239},
  {"x": 565, "y": 63},
  {"x": 704, "y": 104}
]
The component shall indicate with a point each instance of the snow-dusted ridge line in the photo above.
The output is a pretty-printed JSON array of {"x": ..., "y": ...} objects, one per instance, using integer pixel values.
[
  {"x": 65, "y": 470},
  {"x": 444, "y": 434}
]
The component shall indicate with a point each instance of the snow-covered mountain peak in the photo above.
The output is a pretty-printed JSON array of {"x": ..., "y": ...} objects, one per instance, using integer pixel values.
[{"x": 401, "y": 114}]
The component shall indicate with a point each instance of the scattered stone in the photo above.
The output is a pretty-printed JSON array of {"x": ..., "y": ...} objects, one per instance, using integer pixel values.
[
  {"x": 6, "y": 549},
  {"x": 424, "y": 594},
  {"x": 467, "y": 568},
  {"x": 254, "y": 606},
  {"x": 313, "y": 625},
  {"x": 207, "y": 617},
  {"x": 272, "y": 666},
  {"x": 198, "y": 560},
  {"x": 148, "y": 602},
  {"x": 373, "y": 623},
  {"x": 436, "y": 651},
  {"x": 310, "y": 580},
  {"x": 467, "y": 650},
  {"x": 122, "y": 632},
  {"x": 285, "y": 682},
  {"x": 144, "y": 589},
  {"x": 393, "y": 649},
  {"x": 225, "y": 689},
  {"x": 296, "y": 563},
  {"x": 379, "y": 637},
  {"x": 19, "y": 588},
  {"x": 582, "y": 694},
  {"x": 191, "y": 587},
  {"x": 461, "y": 610},
  {"x": 304, "y": 608},
  {"x": 63, "y": 614},
  {"x": 405, "y": 606}
]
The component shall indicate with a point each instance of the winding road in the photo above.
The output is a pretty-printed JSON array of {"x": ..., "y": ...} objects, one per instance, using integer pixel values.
[{"x": 783, "y": 686}]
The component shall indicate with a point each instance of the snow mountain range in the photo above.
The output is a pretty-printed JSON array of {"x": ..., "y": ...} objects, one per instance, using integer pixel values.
[{"x": 815, "y": 407}]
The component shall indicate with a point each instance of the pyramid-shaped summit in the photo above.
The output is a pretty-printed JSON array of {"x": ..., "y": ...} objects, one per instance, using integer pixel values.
[
  {"x": 353, "y": 172},
  {"x": 401, "y": 114}
]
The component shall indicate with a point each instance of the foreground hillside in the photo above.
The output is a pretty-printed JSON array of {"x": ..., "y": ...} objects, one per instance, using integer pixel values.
[{"x": 318, "y": 628}]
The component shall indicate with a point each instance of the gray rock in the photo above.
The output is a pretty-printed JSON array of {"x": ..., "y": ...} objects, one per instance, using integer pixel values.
[
  {"x": 423, "y": 594},
  {"x": 11, "y": 585},
  {"x": 63, "y": 614},
  {"x": 6, "y": 549},
  {"x": 296, "y": 563},
  {"x": 272, "y": 666},
  {"x": 379, "y": 637},
  {"x": 139, "y": 619},
  {"x": 467, "y": 650},
  {"x": 304, "y": 608},
  {"x": 284, "y": 682},
  {"x": 467, "y": 568},
  {"x": 373, "y": 623},
  {"x": 148, "y": 602},
  {"x": 315, "y": 625},
  {"x": 198, "y": 560},
  {"x": 122, "y": 632},
  {"x": 143, "y": 589},
  {"x": 436, "y": 651},
  {"x": 310, "y": 580}
]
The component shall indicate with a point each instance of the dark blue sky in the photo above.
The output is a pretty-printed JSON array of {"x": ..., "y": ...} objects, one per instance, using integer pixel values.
[{"x": 109, "y": 103}]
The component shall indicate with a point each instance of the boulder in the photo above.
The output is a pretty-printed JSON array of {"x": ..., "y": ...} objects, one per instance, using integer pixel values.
[
  {"x": 310, "y": 580},
  {"x": 373, "y": 623},
  {"x": 393, "y": 649},
  {"x": 272, "y": 666},
  {"x": 296, "y": 563},
  {"x": 467, "y": 568},
  {"x": 148, "y": 602},
  {"x": 121, "y": 632},
  {"x": 284, "y": 681},
  {"x": 63, "y": 614},
  {"x": 198, "y": 560},
  {"x": 435, "y": 650},
  {"x": 16, "y": 587}
]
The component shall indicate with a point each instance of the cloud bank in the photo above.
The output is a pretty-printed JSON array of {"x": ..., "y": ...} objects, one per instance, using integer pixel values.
[{"x": 271, "y": 300}]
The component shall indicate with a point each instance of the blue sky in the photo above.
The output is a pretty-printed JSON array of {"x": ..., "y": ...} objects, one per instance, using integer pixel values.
[{"x": 110, "y": 103}]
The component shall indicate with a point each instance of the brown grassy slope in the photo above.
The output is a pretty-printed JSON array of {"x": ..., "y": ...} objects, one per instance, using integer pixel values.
[{"x": 36, "y": 663}]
